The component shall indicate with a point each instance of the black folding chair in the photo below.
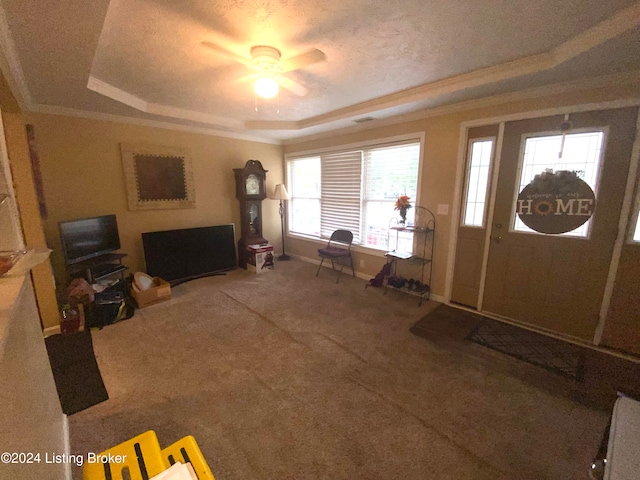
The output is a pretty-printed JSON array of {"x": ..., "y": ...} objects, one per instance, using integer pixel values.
[{"x": 338, "y": 250}]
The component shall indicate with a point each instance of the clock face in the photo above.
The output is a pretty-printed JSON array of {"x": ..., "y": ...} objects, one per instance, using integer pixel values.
[{"x": 252, "y": 185}]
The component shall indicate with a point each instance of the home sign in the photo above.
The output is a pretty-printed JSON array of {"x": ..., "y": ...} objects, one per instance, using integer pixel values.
[{"x": 556, "y": 203}]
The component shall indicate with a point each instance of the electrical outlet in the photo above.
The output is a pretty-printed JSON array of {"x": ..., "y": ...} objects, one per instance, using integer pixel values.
[{"x": 443, "y": 209}]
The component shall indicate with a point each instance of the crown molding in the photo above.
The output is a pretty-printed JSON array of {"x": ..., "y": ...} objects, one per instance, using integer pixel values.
[
  {"x": 133, "y": 101},
  {"x": 273, "y": 125},
  {"x": 537, "y": 92},
  {"x": 55, "y": 110},
  {"x": 115, "y": 93},
  {"x": 11, "y": 66},
  {"x": 608, "y": 29}
]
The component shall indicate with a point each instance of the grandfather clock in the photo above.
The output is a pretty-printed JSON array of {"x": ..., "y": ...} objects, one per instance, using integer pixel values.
[{"x": 251, "y": 189}]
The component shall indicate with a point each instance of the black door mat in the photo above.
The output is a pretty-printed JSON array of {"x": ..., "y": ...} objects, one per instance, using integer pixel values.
[
  {"x": 552, "y": 354},
  {"x": 601, "y": 374},
  {"x": 460, "y": 325},
  {"x": 446, "y": 321},
  {"x": 75, "y": 371}
]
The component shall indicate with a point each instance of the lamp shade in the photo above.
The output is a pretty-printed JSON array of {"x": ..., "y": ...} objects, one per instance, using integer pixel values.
[{"x": 280, "y": 193}]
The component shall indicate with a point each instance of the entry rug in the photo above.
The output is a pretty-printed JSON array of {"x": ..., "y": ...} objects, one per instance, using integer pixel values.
[
  {"x": 555, "y": 355},
  {"x": 75, "y": 371}
]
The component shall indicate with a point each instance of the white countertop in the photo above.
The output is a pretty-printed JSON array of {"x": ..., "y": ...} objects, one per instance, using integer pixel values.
[
  {"x": 623, "y": 452},
  {"x": 9, "y": 289},
  {"x": 11, "y": 283}
]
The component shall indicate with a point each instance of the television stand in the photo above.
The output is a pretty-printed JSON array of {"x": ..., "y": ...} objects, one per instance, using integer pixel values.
[{"x": 99, "y": 268}]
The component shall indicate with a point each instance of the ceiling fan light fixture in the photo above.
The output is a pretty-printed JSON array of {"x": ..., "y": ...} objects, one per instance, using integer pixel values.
[{"x": 266, "y": 87}]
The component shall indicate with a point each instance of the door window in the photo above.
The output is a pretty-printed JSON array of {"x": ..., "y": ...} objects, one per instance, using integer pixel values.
[
  {"x": 479, "y": 164},
  {"x": 578, "y": 152},
  {"x": 636, "y": 233}
]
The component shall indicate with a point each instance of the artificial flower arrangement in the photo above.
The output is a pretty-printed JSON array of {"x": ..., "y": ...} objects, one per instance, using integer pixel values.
[
  {"x": 402, "y": 205},
  {"x": 559, "y": 182}
]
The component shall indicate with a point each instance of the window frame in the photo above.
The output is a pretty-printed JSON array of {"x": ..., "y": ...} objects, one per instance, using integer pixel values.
[
  {"x": 493, "y": 139},
  {"x": 635, "y": 217},
  {"x": 417, "y": 137},
  {"x": 523, "y": 140},
  {"x": 290, "y": 210}
]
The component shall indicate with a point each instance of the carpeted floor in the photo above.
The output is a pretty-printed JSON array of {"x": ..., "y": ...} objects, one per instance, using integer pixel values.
[{"x": 284, "y": 375}]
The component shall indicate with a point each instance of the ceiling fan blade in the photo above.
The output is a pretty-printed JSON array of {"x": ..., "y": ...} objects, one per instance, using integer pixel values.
[
  {"x": 292, "y": 86},
  {"x": 300, "y": 61},
  {"x": 247, "y": 78},
  {"x": 226, "y": 53}
]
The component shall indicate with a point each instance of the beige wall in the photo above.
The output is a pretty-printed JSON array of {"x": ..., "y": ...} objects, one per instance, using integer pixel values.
[
  {"x": 42, "y": 275},
  {"x": 83, "y": 177},
  {"x": 439, "y": 164},
  {"x": 83, "y": 174}
]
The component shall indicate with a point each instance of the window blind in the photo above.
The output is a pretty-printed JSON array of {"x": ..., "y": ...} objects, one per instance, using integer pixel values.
[
  {"x": 340, "y": 196},
  {"x": 353, "y": 189}
]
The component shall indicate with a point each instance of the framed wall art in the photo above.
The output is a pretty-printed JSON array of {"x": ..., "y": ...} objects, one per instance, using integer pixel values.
[
  {"x": 157, "y": 177},
  {"x": 36, "y": 171}
]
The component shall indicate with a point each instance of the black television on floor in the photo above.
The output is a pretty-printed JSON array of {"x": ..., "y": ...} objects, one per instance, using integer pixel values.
[
  {"x": 180, "y": 255},
  {"x": 87, "y": 238}
]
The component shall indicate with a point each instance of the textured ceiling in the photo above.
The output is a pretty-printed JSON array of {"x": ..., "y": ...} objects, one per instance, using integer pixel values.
[{"x": 176, "y": 61}]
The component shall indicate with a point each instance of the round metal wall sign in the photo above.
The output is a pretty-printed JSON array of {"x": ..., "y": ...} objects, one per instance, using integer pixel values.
[{"x": 556, "y": 202}]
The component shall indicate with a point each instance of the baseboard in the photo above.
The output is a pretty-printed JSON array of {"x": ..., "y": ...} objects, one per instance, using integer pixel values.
[
  {"x": 67, "y": 446},
  {"x": 313, "y": 261},
  {"x": 436, "y": 298},
  {"x": 549, "y": 333},
  {"x": 55, "y": 330},
  {"x": 363, "y": 276}
]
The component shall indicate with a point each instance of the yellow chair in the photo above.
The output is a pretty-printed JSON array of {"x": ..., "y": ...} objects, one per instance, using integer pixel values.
[
  {"x": 140, "y": 456},
  {"x": 186, "y": 450}
]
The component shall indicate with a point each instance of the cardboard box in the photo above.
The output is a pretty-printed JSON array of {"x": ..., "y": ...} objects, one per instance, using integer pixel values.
[
  {"x": 260, "y": 258},
  {"x": 158, "y": 292}
]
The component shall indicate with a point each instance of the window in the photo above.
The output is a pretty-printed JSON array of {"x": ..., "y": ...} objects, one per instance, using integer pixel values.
[
  {"x": 636, "y": 233},
  {"x": 479, "y": 164},
  {"x": 389, "y": 173},
  {"x": 581, "y": 153},
  {"x": 340, "y": 193},
  {"x": 304, "y": 186},
  {"x": 353, "y": 189}
]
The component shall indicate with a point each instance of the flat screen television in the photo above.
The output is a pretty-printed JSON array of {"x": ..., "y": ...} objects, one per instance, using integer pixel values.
[
  {"x": 181, "y": 255},
  {"x": 87, "y": 238}
]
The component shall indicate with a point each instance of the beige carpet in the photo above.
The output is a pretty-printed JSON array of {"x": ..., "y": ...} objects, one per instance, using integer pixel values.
[{"x": 286, "y": 376}]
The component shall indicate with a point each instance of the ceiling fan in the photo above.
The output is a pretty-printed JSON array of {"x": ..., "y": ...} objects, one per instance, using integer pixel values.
[{"x": 270, "y": 68}]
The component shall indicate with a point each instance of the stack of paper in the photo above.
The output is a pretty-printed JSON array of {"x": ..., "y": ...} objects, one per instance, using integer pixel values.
[{"x": 179, "y": 471}]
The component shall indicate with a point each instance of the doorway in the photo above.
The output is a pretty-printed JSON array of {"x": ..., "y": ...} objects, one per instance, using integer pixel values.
[{"x": 551, "y": 282}]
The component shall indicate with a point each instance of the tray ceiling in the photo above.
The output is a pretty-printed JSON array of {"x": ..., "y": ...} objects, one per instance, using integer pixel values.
[{"x": 176, "y": 62}]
